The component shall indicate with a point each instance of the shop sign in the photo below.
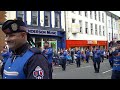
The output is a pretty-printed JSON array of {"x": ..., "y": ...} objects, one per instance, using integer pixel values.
[
  {"x": 42, "y": 32},
  {"x": 92, "y": 42}
]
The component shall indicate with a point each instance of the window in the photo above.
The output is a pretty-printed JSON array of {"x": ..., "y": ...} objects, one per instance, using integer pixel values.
[
  {"x": 114, "y": 25},
  {"x": 47, "y": 18},
  {"x": 91, "y": 28},
  {"x": 100, "y": 30},
  {"x": 73, "y": 20},
  {"x": 95, "y": 15},
  {"x": 57, "y": 19},
  {"x": 85, "y": 13},
  {"x": 103, "y": 31},
  {"x": 73, "y": 11},
  {"x": 103, "y": 17},
  {"x": 91, "y": 14},
  {"x": 96, "y": 29},
  {"x": 99, "y": 15},
  {"x": 109, "y": 25},
  {"x": 80, "y": 22},
  {"x": 86, "y": 27},
  {"x": 34, "y": 18},
  {"x": 79, "y": 12},
  {"x": 109, "y": 36},
  {"x": 20, "y": 15}
]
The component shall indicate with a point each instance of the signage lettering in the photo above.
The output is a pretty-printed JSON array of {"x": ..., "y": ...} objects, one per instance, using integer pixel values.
[{"x": 42, "y": 32}]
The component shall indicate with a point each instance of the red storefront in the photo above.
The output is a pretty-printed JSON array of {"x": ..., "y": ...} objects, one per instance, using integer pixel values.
[{"x": 85, "y": 43}]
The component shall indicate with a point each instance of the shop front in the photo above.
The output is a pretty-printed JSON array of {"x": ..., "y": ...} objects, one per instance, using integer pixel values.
[
  {"x": 85, "y": 44},
  {"x": 54, "y": 37}
]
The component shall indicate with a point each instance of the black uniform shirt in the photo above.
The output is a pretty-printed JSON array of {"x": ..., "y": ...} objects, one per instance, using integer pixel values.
[{"x": 36, "y": 66}]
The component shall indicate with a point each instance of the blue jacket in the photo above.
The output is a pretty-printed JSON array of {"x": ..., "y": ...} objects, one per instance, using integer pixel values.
[
  {"x": 14, "y": 70},
  {"x": 78, "y": 54},
  {"x": 5, "y": 56},
  {"x": 116, "y": 63},
  {"x": 48, "y": 52},
  {"x": 64, "y": 55}
]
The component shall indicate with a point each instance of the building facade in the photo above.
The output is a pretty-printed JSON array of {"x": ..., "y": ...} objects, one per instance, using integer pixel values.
[
  {"x": 119, "y": 29},
  {"x": 85, "y": 29},
  {"x": 43, "y": 26},
  {"x": 112, "y": 26}
]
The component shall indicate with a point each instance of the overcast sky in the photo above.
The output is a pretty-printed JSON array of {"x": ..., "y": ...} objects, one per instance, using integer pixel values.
[{"x": 116, "y": 12}]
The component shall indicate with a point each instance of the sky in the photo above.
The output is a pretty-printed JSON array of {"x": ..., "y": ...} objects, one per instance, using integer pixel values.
[{"x": 116, "y": 12}]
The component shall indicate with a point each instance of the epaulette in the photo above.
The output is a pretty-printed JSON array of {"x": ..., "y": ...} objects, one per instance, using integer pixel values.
[{"x": 35, "y": 50}]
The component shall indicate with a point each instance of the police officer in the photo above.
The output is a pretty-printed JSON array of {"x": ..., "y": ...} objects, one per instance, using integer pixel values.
[
  {"x": 97, "y": 60},
  {"x": 25, "y": 62},
  {"x": 78, "y": 55},
  {"x": 48, "y": 52},
  {"x": 116, "y": 63},
  {"x": 63, "y": 57}
]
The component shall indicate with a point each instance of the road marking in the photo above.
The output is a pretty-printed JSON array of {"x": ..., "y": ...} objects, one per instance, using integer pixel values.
[
  {"x": 106, "y": 71},
  {"x": 86, "y": 66}
]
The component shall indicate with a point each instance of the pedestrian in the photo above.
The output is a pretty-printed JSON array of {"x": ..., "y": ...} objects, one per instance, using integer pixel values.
[
  {"x": 63, "y": 55},
  {"x": 116, "y": 62},
  {"x": 78, "y": 60},
  {"x": 26, "y": 62},
  {"x": 97, "y": 60},
  {"x": 48, "y": 52}
]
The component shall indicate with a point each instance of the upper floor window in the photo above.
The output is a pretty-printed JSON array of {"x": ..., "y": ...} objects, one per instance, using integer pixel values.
[
  {"x": 57, "y": 19},
  {"x": 103, "y": 17},
  {"x": 91, "y": 14},
  {"x": 73, "y": 11},
  {"x": 79, "y": 12},
  {"x": 20, "y": 15},
  {"x": 86, "y": 14},
  {"x": 96, "y": 33},
  {"x": 80, "y": 23},
  {"x": 95, "y": 15},
  {"x": 86, "y": 27},
  {"x": 99, "y": 15},
  {"x": 47, "y": 18},
  {"x": 91, "y": 25},
  {"x": 109, "y": 36},
  {"x": 100, "y": 30},
  {"x": 73, "y": 20},
  {"x": 34, "y": 18},
  {"x": 103, "y": 31}
]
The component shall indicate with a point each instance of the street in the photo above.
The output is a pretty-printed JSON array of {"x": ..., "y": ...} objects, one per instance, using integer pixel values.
[{"x": 86, "y": 71}]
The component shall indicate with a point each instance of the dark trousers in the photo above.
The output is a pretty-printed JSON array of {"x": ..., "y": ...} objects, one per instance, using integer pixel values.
[
  {"x": 78, "y": 62},
  {"x": 87, "y": 59},
  {"x": 63, "y": 64},
  {"x": 115, "y": 75},
  {"x": 72, "y": 58},
  {"x": 102, "y": 58},
  {"x": 111, "y": 63},
  {"x": 50, "y": 70},
  {"x": 97, "y": 65}
]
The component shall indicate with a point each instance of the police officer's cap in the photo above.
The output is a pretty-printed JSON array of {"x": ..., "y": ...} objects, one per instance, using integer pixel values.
[{"x": 13, "y": 26}]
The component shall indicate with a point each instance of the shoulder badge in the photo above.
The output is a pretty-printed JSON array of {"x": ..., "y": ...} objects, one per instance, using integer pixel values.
[{"x": 38, "y": 73}]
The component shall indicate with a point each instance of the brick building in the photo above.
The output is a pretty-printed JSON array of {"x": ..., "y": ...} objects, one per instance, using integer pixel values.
[{"x": 2, "y": 35}]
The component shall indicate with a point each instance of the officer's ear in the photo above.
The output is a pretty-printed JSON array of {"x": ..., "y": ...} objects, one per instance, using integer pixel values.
[{"x": 24, "y": 34}]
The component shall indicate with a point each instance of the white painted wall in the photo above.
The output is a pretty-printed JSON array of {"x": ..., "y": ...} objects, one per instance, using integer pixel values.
[
  {"x": 28, "y": 17},
  {"x": 115, "y": 29},
  {"x": 84, "y": 19},
  {"x": 10, "y": 15}
]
